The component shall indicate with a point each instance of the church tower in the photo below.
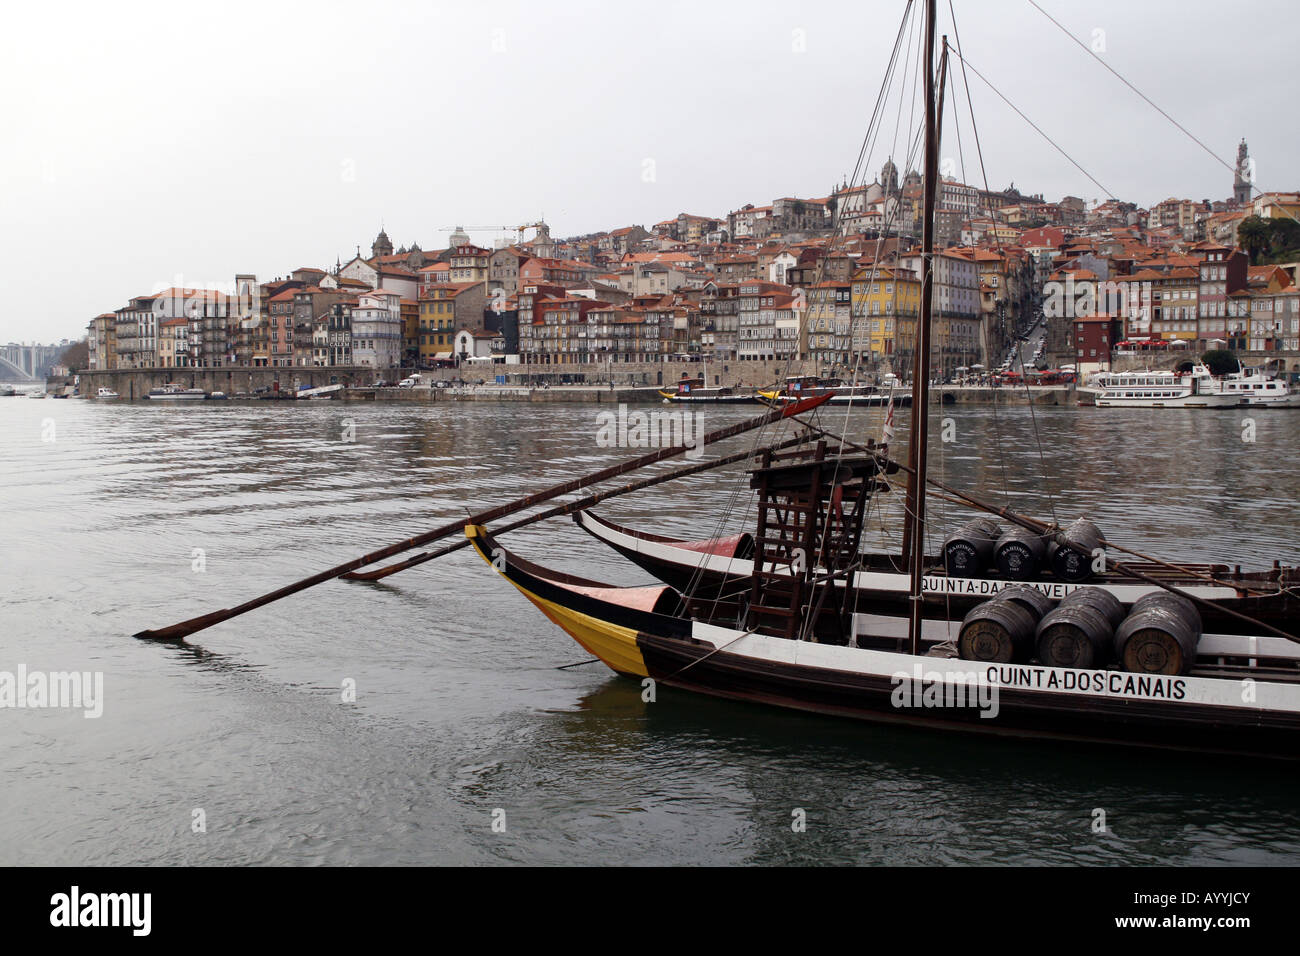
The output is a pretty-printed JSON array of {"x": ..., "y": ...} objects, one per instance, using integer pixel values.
[
  {"x": 889, "y": 177},
  {"x": 382, "y": 246},
  {"x": 1244, "y": 178}
]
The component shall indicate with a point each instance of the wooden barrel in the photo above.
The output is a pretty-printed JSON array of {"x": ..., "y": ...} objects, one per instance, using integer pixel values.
[
  {"x": 1031, "y": 599},
  {"x": 1071, "y": 557},
  {"x": 1156, "y": 640},
  {"x": 1019, "y": 554},
  {"x": 1174, "y": 603},
  {"x": 1101, "y": 601},
  {"x": 1074, "y": 635},
  {"x": 997, "y": 632},
  {"x": 969, "y": 551}
]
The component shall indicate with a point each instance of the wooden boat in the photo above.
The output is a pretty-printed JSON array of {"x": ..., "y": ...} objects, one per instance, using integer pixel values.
[
  {"x": 1148, "y": 675},
  {"x": 642, "y": 633},
  {"x": 715, "y": 570},
  {"x": 693, "y": 390},
  {"x": 797, "y": 387}
]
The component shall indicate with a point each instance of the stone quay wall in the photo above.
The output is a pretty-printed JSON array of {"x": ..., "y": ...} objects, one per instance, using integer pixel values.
[{"x": 136, "y": 383}]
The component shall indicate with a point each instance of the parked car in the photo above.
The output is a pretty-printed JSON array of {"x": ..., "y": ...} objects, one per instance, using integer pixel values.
[{"x": 410, "y": 382}]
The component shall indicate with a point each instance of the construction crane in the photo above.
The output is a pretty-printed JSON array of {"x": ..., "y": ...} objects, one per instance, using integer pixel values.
[{"x": 499, "y": 230}]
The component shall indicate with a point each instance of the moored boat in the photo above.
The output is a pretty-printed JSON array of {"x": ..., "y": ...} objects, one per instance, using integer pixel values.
[
  {"x": 693, "y": 390},
  {"x": 797, "y": 387},
  {"x": 1252, "y": 386},
  {"x": 637, "y": 633},
  {"x": 105, "y": 393},
  {"x": 175, "y": 392},
  {"x": 1161, "y": 389}
]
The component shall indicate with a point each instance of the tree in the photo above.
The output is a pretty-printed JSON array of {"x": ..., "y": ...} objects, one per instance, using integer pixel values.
[
  {"x": 1220, "y": 361},
  {"x": 1254, "y": 237},
  {"x": 1285, "y": 239},
  {"x": 76, "y": 356}
]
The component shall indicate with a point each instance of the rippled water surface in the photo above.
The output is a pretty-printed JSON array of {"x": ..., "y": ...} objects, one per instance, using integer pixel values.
[{"x": 460, "y": 710}]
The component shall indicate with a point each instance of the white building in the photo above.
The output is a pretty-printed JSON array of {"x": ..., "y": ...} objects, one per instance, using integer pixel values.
[{"x": 377, "y": 329}]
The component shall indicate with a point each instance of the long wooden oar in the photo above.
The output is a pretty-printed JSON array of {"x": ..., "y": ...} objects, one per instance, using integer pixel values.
[
  {"x": 183, "y": 629},
  {"x": 580, "y": 504}
]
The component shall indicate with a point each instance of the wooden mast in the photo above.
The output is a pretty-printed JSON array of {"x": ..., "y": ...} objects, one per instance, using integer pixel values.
[{"x": 914, "y": 510}]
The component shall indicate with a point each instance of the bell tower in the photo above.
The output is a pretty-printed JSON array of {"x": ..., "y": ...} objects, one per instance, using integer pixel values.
[{"x": 1244, "y": 178}]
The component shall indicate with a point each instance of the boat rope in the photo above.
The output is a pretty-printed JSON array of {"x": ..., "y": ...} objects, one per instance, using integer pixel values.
[
  {"x": 1181, "y": 128},
  {"x": 1035, "y": 126},
  {"x": 1015, "y": 333},
  {"x": 697, "y": 660}
]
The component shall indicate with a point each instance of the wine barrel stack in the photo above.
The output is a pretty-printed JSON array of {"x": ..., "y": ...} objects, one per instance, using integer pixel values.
[
  {"x": 1089, "y": 628},
  {"x": 981, "y": 546}
]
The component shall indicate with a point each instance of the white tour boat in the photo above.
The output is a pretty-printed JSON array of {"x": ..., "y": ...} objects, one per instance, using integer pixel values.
[
  {"x": 1161, "y": 389},
  {"x": 1252, "y": 386}
]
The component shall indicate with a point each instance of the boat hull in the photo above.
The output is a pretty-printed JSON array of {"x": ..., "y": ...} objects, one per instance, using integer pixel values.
[
  {"x": 1185, "y": 401},
  {"x": 875, "y": 400},
  {"x": 893, "y": 692},
  {"x": 687, "y": 399}
]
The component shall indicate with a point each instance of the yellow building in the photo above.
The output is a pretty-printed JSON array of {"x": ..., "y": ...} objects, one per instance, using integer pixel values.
[
  {"x": 885, "y": 302},
  {"x": 172, "y": 340},
  {"x": 437, "y": 318}
]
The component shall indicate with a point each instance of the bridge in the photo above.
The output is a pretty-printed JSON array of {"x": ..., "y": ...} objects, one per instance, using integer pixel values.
[{"x": 28, "y": 363}]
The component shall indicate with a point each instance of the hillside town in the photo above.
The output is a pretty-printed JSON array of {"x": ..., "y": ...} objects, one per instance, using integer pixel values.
[{"x": 830, "y": 280}]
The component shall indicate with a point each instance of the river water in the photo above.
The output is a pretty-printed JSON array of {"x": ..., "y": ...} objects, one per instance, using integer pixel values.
[{"x": 240, "y": 746}]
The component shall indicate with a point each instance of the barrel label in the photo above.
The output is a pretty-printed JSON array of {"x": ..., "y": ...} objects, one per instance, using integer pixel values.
[{"x": 1109, "y": 683}]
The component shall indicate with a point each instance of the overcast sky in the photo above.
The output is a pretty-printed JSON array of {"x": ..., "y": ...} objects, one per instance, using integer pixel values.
[{"x": 152, "y": 143}]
